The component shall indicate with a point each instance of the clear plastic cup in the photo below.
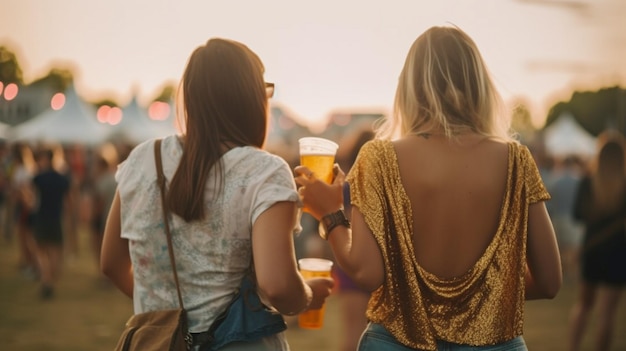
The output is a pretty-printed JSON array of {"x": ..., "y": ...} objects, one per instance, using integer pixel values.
[
  {"x": 313, "y": 268},
  {"x": 318, "y": 154}
]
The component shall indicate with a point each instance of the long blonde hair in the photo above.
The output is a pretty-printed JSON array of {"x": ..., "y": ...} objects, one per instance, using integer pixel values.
[
  {"x": 445, "y": 83},
  {"x": 608, "y": 181}
]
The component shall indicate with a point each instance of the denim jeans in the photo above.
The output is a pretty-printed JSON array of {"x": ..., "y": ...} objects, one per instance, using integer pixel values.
[
  {"x": 376, "y": 338},
  {"x": 276, "y": 342}
]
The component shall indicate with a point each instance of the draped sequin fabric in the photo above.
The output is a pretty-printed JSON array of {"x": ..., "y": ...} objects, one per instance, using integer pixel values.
[{"x": 482, "y": 307}]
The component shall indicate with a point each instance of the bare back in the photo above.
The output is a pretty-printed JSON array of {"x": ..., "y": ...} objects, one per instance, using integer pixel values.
[{"x": 456, "y": 189}]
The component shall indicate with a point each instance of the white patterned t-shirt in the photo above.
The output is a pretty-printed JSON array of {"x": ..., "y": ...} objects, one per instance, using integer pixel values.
[{"x": 212, "y": 255}]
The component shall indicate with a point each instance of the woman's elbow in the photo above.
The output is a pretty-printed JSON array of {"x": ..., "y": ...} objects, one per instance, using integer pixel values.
[
  {"x": 366, "y": 280},
  {"x": 548, "y": 288},
  {"x": 275, "y": 294},
  {"x": 107, "y": 268},
  {"x": 110, "y": 267},
  {"x": 552, "y": 289},
  {"x": 285, "y": 297},
  {"x": 552, "y": 283}
]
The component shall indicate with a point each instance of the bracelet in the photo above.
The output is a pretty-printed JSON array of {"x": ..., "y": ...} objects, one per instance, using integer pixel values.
[{"x": 331, "y": 221}]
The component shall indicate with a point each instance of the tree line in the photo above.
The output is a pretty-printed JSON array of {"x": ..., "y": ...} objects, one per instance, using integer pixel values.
[{"x": 595, "y": 110}]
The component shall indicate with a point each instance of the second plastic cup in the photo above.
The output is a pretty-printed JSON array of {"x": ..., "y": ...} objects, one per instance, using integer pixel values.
[
  {"x": 318, "y": 155},
  {"x": 312, "y": 268}
]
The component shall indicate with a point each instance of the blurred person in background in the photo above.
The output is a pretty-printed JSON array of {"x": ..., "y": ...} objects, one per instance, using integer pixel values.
[
  {"x": 103, "y": 192},
  {"x": 72, "y": 161},
  {"x": 22, "y": 198},
  {"x": 449, "y": 228},
  {"x": 352, "y": 298},
  {"x": 601, "y": 205},
  {"x": 6, "y": 163},
  {"x": 569, "y": 231},
  {"x": 51, "y": 196},
  {"x": 231, "y": 204}
]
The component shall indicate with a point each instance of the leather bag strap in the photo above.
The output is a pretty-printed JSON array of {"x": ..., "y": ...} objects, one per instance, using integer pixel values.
[{"x": 161, "y": 183}]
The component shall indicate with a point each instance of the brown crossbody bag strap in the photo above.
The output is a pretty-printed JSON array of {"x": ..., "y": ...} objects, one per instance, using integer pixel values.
[{"x": 161, "y": 183}]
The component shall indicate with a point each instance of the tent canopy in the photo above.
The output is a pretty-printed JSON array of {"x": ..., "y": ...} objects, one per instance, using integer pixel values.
[
  {"x": 74, "y": 123},
  {"x": 4, "y": 130},
  {"x": 136, "y": 126},
  {"x": 565, "y": 137}
]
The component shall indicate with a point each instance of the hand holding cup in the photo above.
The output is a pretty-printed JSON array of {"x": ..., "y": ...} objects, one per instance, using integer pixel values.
[
  {"x": 318, "y": 197},
  {"x": 312, "y": 268}
]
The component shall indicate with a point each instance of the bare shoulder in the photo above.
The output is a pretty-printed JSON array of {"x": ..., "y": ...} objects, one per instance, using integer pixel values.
[{"x": 497, "y": 145}]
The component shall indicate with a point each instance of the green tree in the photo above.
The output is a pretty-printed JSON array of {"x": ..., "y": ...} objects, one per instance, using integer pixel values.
[
  {"x": 105, "y": 102},
  {"x": 59, "y": 79},
  {"x": 10, "y": 70},
  {"x": 594, "y": 110},
  {"x": 167, "y": 93}
]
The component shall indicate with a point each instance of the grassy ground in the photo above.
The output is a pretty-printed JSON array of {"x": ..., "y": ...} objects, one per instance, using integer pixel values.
[{"x": 87, "y": 315}]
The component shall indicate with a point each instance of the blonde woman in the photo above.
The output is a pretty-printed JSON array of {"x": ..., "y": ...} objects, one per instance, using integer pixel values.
[
  {"x": 449, "y": 230},
  {"x": 601, "y": 205}
]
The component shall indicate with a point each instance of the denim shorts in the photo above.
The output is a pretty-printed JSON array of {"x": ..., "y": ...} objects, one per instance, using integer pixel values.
[{"x": 376, "y": 337}]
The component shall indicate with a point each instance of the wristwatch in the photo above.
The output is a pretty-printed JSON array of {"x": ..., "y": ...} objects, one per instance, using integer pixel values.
[{"x": 332, "y": 220}]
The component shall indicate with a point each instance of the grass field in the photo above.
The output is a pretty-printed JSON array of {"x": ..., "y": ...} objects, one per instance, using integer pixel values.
[{"x": 84, "y": 315}]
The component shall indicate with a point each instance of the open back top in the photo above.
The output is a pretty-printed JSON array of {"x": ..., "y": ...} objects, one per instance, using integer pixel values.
[{"x": 484, "y": 305}]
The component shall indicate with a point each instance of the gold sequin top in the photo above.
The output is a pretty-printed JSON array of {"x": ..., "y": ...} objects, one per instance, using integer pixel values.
[{"x": 484, "y": 306}]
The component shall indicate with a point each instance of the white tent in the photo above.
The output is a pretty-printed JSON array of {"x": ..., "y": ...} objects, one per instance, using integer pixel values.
[
  {"x": 136, "y": 126},
  {"x": 566, "y": 137},
  {"x": 74, "y": 123},
  {"x": 4, "y": 130}
]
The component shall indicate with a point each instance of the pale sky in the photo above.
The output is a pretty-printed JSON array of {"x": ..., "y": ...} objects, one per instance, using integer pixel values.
[{"x": 322, "y": 55}]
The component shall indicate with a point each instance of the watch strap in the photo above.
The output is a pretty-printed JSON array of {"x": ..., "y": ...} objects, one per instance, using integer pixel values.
[{"x": 333, "y": 220}]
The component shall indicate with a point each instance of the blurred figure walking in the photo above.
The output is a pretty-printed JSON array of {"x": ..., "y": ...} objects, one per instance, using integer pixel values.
[
  {"x": 104, "y": 187},
  {"x": 6, "y": 207},
  {"x": 353, "y": 299},
  {"x": 569, "y": 231},
  {"x": 51, "y": 191},
  {"x": 22, "y": 198},
  {"x": 601, "y": 205}
]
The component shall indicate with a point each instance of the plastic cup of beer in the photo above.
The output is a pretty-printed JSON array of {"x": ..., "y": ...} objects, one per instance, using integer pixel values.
[
  {"x": 313, "y": 268},
  {"x": 318, "y": 155}
]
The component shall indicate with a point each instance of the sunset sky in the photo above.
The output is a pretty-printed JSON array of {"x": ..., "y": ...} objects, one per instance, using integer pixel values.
[{"x": 322, "y": 55}]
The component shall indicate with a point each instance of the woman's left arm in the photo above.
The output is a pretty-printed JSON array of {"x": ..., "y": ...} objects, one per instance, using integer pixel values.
[
  {"x": 357, "y": 252},
  {"x": 115, "y": 260},
  {"x": 544, "y": 275},
  {"x": 355, "y": 249}
]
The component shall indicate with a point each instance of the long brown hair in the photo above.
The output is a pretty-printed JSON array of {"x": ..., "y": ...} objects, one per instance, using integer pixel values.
[
  {"x": 224, "y": 106},
  {"x": 609, "y": 179}
]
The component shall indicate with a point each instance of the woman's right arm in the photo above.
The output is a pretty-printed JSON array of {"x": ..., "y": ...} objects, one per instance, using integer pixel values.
[
  {"x": 543, "y": 275},
  {"x": 278, "y": 278},
  {"x": 115, "y": 260}
]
